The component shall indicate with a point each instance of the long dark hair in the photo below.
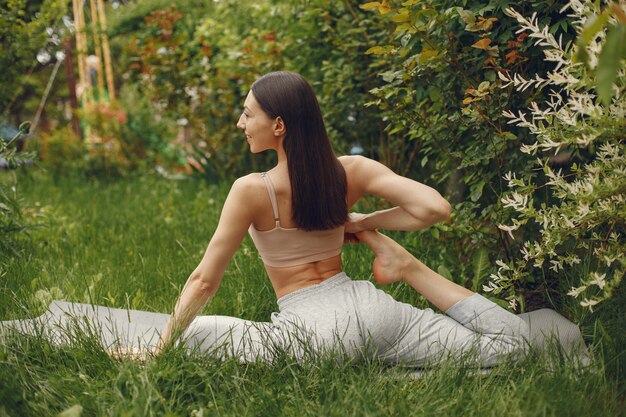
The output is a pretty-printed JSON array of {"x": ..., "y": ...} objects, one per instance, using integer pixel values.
[{"x": 318, "y": 180}]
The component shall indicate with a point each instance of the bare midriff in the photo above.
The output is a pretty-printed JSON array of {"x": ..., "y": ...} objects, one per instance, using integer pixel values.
[{"x": 292, "y": 278}]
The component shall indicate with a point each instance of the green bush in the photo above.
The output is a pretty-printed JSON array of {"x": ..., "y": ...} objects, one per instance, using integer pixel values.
[
  {"x": 59, "y": 150},
  {"x": 579, "y": 216},
  {"x": 11, "y": 219},
  {"x": 146, "y": 140}
]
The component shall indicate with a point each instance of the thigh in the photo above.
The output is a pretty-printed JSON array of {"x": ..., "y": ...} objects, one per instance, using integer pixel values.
[
  {"x": 427, "y": 337},
  {"x": 226, "y": 336},
  {"x": 416, "y": 336},
  {"x": 392, "y": 326},
  {"x": 432, "y": 337}
]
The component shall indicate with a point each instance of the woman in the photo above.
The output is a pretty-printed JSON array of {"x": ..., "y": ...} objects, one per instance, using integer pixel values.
[{"x": 297, "y": 214}]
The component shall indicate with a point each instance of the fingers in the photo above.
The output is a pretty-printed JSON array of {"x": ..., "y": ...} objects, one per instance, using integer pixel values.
[
  {"x": 350, "y": 238},
  {"x": 135, "y": 354}
]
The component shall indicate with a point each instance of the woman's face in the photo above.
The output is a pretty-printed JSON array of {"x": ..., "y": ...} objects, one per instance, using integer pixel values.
[{"x": 260, "y": 130}]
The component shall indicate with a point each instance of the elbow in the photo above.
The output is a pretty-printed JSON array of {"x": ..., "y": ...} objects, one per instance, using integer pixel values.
[
  {"x": 204, "y": 284},
  {"x": 442, "y": 211},
  {"x": 447, "y": 210}
]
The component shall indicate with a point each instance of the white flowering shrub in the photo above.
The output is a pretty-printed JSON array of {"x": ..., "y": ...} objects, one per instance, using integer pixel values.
[{"x": 570, "y": 217}]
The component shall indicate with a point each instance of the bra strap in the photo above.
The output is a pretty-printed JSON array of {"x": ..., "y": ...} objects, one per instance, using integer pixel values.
[{"x": 272, "y": 194}]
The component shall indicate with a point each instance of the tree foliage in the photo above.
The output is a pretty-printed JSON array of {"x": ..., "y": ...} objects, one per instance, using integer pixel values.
[
  {"x": 11, "y": 222},
  {"x": 25, "y": 29}
]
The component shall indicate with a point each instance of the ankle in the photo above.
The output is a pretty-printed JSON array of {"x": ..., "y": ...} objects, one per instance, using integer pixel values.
[{"x": 409, "y": 266}]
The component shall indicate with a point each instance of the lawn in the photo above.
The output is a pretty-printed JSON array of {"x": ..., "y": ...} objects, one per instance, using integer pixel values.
[{"x": 131, "y": 243}]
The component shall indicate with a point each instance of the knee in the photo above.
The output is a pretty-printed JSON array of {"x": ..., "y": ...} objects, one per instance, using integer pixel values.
[{"x": 520, "y": 339}]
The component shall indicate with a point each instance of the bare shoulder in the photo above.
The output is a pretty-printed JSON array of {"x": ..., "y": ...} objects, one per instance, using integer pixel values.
[
  {"x": 247, "y": 182},
  {"x": 248, "y": 188}
]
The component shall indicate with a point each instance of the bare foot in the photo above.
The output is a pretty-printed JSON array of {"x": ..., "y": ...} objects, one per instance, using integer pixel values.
[{"x": 392, "y": 260}]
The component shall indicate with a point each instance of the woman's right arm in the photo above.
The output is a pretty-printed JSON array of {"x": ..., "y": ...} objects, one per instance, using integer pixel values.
[
  {"x": 204, "y": 281},
  {"x": 418, "y": 206}
]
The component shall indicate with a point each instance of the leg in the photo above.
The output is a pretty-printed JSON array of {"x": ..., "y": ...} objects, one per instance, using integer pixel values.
[
  {"x": 487, "y": 328},
  {"x": 394, "y": 263},
  {"x": 225, "y": 336}
]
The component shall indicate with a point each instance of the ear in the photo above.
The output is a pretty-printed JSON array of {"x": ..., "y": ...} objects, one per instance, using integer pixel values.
[{"x": 279, "y": 127}]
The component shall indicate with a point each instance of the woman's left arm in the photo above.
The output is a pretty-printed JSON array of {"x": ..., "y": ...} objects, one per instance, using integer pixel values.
[
  {"x": 204, "y": 281},
  {"x": 395, "y": 218},
  {"x": 417, "y": 206}
]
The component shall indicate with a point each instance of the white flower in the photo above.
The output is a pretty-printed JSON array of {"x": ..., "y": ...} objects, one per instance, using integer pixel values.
[
  {"x": 598, "y": 280},
  {"x": 575, "y": 292},
  {"x": 609, "y": 260},
  {"x": 556, "y": 265},
  {"x": 509, "y": 229},
  {"x": 502, "y": 265},
  {"x": 589, "y": 303}
]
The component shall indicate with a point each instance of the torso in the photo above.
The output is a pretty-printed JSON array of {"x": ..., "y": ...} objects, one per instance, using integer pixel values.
[{"x": 288, "y": 279}]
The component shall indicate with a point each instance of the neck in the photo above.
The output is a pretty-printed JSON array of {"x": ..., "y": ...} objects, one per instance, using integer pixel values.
[{"x": 282, "y": 156}]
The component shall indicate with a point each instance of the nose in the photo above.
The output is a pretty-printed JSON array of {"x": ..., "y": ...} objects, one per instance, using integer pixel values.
[{"x": 240, "y": 123}]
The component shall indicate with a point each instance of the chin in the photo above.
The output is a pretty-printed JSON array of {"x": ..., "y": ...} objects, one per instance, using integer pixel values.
[{"x": 257, "y": 150}]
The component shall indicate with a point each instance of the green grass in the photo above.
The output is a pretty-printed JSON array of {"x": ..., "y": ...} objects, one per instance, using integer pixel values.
[{"x": 133, "y": 242}]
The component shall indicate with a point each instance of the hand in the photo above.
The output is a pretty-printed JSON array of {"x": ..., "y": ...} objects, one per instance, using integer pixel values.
[
  {"x": 134, "y": 354},
  {"x": 355, "y": 223},
  {"x": 350, "y": 238}
]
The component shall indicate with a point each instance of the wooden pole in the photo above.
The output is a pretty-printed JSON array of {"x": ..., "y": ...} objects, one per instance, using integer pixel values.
[
  {"x": 96, "y": 39},
  {"x": 107, "y": 52},
  {"x": 81, "y": 50},
  {"x": 71, "y": 86},
  {"x": 81, "y": 76},
  {"x": 83, "y": 53}
]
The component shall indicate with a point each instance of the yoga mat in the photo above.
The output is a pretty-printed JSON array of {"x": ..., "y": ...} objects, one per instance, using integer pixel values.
[{"x": 122, "y": 328}]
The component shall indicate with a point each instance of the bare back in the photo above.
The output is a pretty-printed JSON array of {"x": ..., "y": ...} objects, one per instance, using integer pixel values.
[{"x": 287, "y": 279}]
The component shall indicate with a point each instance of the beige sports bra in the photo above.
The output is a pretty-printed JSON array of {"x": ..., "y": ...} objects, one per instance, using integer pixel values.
[{"x": 280, "y": 247}]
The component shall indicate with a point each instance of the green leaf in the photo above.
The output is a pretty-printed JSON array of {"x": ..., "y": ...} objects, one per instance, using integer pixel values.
[
  {"x": 370, "y": 5},
  {"x": 404, "y": 27},
  {"x": 589, "y": 32},
  {"x": 442, "y": 270},
  {"x": 477, "y": 191},
  {"x": 379, "y": 50},
  {"x": 609, "y": 61},
  {"x": 480, "y": 267},
  {"x": 593, "y": 26},
  {"x": 402, "y": 16},
  {"x": 468, "y": 17},
  {"x": 426, "y": 54}
]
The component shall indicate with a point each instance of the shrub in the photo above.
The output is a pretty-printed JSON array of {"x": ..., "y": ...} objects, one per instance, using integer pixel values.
[
  {"x": 146, "y": 138},
  {"x": 59, "y": 150},
  {"x": 11, "y": 224},
  {"x": 577, "y": 211}
]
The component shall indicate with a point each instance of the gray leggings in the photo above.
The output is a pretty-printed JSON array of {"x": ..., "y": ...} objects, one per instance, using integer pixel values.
[{"x": 355, "y": 318}]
